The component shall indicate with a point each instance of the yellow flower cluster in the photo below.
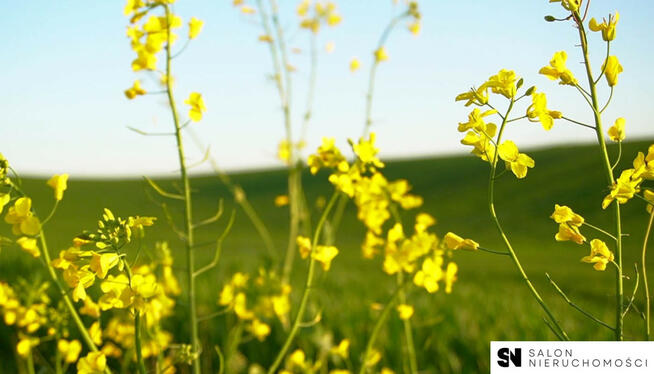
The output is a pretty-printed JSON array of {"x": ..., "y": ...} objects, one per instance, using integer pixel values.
[
  {"x": 630, "y": 180},
  {"x": 569, "y": 224},
  {"x": 481, "y": 135},
  {"x": 323, "y": 253},
  {"x": 376, "y": 198},
  {"x": 27, "y": 313},
  {"x": 298, "y": 362},
  {"x": 257, "y": 300},
  {"x": 314, "y": 13},
  {"x": 149, "y": 38}
]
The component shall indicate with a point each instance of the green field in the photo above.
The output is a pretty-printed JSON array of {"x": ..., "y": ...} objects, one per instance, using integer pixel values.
[{"x": 452, "y": 332}]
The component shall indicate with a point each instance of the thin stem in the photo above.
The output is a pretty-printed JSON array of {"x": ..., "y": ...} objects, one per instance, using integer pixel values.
[
  {"x": 633, "y": 294},
  {"x": 29, "y": 363},
  {"x": 307, "y": 287},
  {"x": 578, "y": 123},
  {"x": 644, "y": 271},
  {"x": 137, "y": 342},
  {"x": 619, "y": 307},
  {"x": 313, "y": 74},
  {"x": 408, "y": 330},
  {"x": 188, "y": 206},
  {"x": 378, "y": 325},
  {"x": 373, "y": 72},
  {"x": 580, "y": 309},
  {"x": 600, "y": 230},
  {"x": 608, "y": 50},
  {"x": 241, "y": 198},
  {"x": 517, "y": 118},
  {"x": 494, "y": 252},
  {"x": 617, "y": 160},
  {"x": 608, "y": 101},
  {"x": 507, "y": 243}
]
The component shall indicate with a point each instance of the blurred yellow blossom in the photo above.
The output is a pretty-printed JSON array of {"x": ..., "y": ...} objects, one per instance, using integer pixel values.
[{"x": 194, "y": 27}]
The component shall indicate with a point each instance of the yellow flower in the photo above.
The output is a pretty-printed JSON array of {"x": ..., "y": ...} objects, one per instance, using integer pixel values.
[
  {"x": 355, "y": 64},
  {"x": 558, "y": 70},
  {"x": 481, "y": 141},
  {"x": 404, "y": 311},
  {"x": 25, "y": 345},
  {"x": 240, "y": 307},
  {"x": 95, "y": 331},
  {"x": 414, "y": 27},
  {"x": 538, "y": 111},
  {"x": 454, "y": 242},
  {"x": 342, "y": 349},
  {"x": 477, "y": 96},
  {"x": 144, "y": 60},
  {"x": 563, "y": 214},
  {"x": 135, "y": 90},
  {"x": 4, "y": 200},
  {"x": 616, "y": 132},
  {"x": 450, "y": 276},
  {"x": 387, "y": 371},
  {"x": 90, "y": 308},
  {"x": 571, "y": 5},
  {"x": 304, "y": 246},
  {"x": 517, "y": 162},
  {"x": 194, "y": 27},
  {"x": 372, "y": 358},
  {"x": 623, "y": 188},
  {"x": 21, "y": 217},
  {"x": 607, "y": 28},
  {"x": 611, "y": 69},
  {"x": 381, "y": 55},
  {"x": 476, "y": 121},
  {"x": 59, "y": 183},
  {"x": 259, "y": 329},
  {"x": 429, "y": 275},
  {"x": 69, "y": 350},
  {"x": 247, "y": 10},
  {"x": 600, "y": 255},
  {"x": 266, "y": 38},
  {"x": 93, "y": 363},
  {"x": 503, "y": 83},
  {"x": 281, "y": 200},
  {"x": 101, "y": 264},
  {"x": 297, "y": 359},
  {"x": 568, "y": 232},
  {"x": 325, "y": 254},
  {"x": 367, "y": 152},
  {"x": 197, "y": 106},
  {"x": 284, "y": 151},
  {"x": 29, "y": 245},
  {"x": 371, "y": 244}
]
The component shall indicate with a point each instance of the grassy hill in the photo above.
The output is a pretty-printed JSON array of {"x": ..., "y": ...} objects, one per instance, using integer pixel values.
[{"x": 489, "y": 301}]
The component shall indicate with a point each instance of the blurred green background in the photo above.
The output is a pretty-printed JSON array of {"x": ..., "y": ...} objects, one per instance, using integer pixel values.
[{"x": 452, "y": 332}]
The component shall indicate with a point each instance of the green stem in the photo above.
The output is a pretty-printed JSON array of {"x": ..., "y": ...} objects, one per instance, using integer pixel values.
[
  {"x": 308, "y": 287},
  {"x": 644, "y": 271},
  {"x": 507, "y": 243},
  {"x": 373, "y": 72},
  {"x": 408, "y": 330},
  {"x": 64, "y": 295},
  {"x": 137, "y": 342},
  {"x": 378, "y": 325},
  {"x": 29, "y": 362},
  {"x": 619, "y": 303},
  {"x": 188, "y": 208},
  {"x": 572, "y": 304}
]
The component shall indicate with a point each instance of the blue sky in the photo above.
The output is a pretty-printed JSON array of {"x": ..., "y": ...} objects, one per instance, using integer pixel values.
[{"x": 66, "y": 63}]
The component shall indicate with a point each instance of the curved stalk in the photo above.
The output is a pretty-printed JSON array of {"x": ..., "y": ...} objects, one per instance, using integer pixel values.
[
  {"x": 188, "y": 206},
  {"x": 619, "y": 307},
  {"x": 408, "y": 329},
  {"x": 137, "y": 342},
  {"x": 307, "y": 287},
  {"x": 373, "y": 72},
  {"x": 507, "y": 243},
  {"x": 378, "y": 325},
  {"x": 644, "y": 271}
]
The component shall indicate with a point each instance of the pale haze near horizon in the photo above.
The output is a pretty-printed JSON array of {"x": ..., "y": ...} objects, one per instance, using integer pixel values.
[{"x": 66, "y": 65}]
